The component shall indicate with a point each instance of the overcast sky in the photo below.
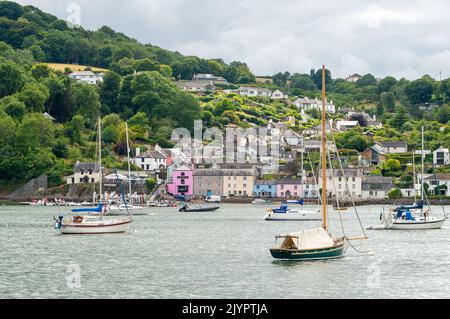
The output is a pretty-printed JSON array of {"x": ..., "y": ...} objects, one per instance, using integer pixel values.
[{"x": 403, "y": 38}]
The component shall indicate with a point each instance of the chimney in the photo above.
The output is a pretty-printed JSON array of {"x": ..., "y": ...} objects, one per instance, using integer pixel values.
[{"x": 138, "y": 151}]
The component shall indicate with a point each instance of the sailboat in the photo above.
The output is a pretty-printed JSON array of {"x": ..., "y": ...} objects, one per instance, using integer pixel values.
[
  {"x": 415, "y": 216},
  {"x": 116, "y": 209},
  {"x": 91, "y": 220},
  {"x": 316, "y": 243}
]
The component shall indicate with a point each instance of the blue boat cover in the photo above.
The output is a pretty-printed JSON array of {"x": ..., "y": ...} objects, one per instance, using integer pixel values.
[
  {"x": 418, "y": 205},
  {"x": 299, "y": 202},
  {"x": 97, "y": 209},
  {"x": 282, "y": 210}
]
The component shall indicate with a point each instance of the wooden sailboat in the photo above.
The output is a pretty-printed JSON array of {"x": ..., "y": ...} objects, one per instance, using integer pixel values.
[
  {"x": 91, "y": 220},
  {"x": 313, "y": 244}
]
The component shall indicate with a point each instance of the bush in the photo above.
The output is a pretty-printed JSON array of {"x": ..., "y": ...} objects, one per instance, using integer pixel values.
[
  {"x": 150, "y": 184},
  {"x": 395, "y": 194}
]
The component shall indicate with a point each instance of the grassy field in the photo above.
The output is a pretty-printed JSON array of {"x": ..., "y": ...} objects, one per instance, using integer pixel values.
[{"x": 74, "y": 67}]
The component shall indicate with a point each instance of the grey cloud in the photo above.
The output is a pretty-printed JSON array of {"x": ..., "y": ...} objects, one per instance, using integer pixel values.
[{"x": 402, "y": 38}]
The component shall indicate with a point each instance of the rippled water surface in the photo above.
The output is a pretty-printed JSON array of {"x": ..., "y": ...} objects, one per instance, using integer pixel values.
[{"x": 224, "y": 254}]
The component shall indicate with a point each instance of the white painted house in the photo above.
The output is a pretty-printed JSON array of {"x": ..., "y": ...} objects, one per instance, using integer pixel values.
[
  {"x": 392, "y": 147},
  {"x": 254, "y": 91},
  {"x": 87, "y": 77},
  {"x": 84, "y": 173},
  {"x": 352, "y": 178},
  {"x": 309, "y": 104},
  {"x": 441, "y": 157},
  {"x": 346, "y": 125},
  {"x": 149, "y": 161},
  {"x": 278, "y": 95},
  {"x": 376, "y": 187}
]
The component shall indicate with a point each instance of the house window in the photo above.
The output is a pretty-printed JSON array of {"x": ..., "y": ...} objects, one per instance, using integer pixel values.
[
  {"x": 92, "y": 180},
  {"x": 142, "y": 160},
  {"x": 148, "y": 167}
]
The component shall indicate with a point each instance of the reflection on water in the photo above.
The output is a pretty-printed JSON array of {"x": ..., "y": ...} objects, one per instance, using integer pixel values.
[{"x": 224, "y": 254}]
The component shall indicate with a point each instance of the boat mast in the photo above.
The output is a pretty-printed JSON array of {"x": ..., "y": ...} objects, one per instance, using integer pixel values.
[
  {"x": 324, "y": 156},
  {"x": 100, "y": 156},
  {"x": 414, "y": 176},
  {"x": 128, "y": 157},
  {"x": 423, "y": 163}
]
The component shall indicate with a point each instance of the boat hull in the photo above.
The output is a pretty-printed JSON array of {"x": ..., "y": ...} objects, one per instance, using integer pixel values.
[
  {"x": 96, "y": 228},
  {"x": 413, "y": 225},
  {"x": 336, "y": 251},
  {"x": 193, "y": 210}
]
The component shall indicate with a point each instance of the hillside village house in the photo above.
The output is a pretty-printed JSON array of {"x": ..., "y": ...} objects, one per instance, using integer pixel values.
[
  {"x": 84, "y": 173},
  {"x": 353, "y": 179},
  {"x": 289, "y": 187},
  {"x": 441, "y": 157},
  {"x": 309, "y": 104},
  {"x": 278, "y": 95},
  {"x": 195, "y": 86},
  {"x": 264, "y": 189},
  {"x": 87, "y": 77},
  {"x": 150, "y": 160},
  {"x": 315, "y": 146},
  {"x": 393, "y": 147},
  {"x": 441, "y": 180},
  {"x": 377, "y": 153},
  {"x": 353, "y": 78},
  {"x": 346, "y": 125},
  {"x": 254, "y": 92},
  {"x": 182, "y": 181},
  {"x": 209, "y": 78},
  {"x": 376, "y": 187}
]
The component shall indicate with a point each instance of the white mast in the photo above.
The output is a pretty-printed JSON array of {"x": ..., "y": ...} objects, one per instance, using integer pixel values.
[
  {"x": 423, "y": 161},
  {"x": 128, "y": 157},
  {"x": 100, "y": 156}
]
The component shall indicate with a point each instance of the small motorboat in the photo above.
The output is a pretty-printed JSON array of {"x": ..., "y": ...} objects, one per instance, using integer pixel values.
[
  {"x": 284, "y": 213},
  {"x": 187, "y": 209}
]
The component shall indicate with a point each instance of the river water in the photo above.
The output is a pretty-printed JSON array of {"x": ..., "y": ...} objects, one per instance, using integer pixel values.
[{"x": 224, "y": 254}]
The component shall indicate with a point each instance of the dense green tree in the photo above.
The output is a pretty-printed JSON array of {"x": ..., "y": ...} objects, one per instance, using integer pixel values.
[
  {"x": 317, "y": 78},
  {"x": 15, "y": 108},
  {"x": 386, "y": 84},
  {"x": 365, "y": 80},
  {"x": 303, "y": 82},
  {"x": 85, "y": 101},
  {"x": 11, "y": 10},
  {"x": 34, "y": 96},
  {"x": 419, "y": 91},
  {"x": 12, "y": 78},
  {"x": 34, "y": 132},
  {"x": 109, "y": 92},
  {"x": 281, "y": 79}
]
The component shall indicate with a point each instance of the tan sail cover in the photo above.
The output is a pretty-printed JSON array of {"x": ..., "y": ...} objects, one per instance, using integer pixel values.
[{"x": 307, "y": 239}]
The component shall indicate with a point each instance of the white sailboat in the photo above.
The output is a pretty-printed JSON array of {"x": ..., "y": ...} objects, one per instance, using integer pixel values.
[
  {"x": 121, "y": 207},
  {"x": 285, "y": 213},
  {"x": 412, "y": 217},
  {"x": 92, "y": 220}
]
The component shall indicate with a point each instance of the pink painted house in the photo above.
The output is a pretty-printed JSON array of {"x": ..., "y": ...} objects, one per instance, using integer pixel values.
[
  {"x": 290, "y": 187},
  {"x": 182, "y": 181}
]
